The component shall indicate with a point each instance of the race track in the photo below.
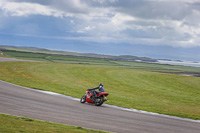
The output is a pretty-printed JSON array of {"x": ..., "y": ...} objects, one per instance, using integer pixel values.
[
  {"x": 2, "y": 59},
  {"x": 47, "y": 106},
  {"x": 19, "y": 101}
]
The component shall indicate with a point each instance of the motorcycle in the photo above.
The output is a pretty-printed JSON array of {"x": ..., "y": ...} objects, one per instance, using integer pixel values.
[{"x": 89, "y": 97}]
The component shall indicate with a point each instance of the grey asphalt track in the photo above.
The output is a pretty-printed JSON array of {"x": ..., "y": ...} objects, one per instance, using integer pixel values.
[
  {"x": 2, "y": 59},
  {"x": 20, "y": 101}
]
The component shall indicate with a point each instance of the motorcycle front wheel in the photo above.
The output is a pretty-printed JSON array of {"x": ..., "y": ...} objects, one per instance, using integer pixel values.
[
  {"x": 99, "y": 101},
  {"x": 83, "y": 99}
]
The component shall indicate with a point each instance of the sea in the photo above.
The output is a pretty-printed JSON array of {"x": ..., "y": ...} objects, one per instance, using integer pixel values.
[{"x": 183, "y": 63}]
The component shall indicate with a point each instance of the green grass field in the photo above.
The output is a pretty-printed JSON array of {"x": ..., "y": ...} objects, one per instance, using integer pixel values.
[
  {"x": 132, "y": 88},
  {"x": 55, "y": 58},
  {"x": 13, "y": 124}
]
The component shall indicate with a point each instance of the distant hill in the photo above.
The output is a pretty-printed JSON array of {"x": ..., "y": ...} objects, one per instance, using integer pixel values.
[{"x": 47, "y": 51}]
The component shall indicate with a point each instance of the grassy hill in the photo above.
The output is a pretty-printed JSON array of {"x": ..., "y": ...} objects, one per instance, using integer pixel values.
[
  {"x": 136, "y": 88},
  {"x": 46, "y": 51}
]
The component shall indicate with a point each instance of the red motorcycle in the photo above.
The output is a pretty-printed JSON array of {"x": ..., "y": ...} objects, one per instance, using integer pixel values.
[{"x": 89, "y": 97}]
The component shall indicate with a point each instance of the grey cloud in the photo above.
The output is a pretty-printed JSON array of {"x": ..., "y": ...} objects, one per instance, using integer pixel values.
[
  {"x": 172, "y": 21},
  {"x": 175, "y": 10},
  {"x": 154, "y": 10},
  {"x": 63, "y": 5}
]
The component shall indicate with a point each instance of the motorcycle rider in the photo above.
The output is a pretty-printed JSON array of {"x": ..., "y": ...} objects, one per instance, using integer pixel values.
[{"x": 101, "y": 89}]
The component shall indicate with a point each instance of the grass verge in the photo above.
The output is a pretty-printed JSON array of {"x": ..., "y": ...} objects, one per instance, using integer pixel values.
[
  {"x": 132, "y": 88},
  {"x": 13, "y": 124}
]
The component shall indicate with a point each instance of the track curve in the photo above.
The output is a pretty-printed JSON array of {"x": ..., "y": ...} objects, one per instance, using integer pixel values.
[{"x": 20, "y": 101}]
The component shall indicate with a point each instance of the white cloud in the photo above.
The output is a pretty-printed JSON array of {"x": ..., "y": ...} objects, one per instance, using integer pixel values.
[
  {"x": 104, "y": 1},
  {"x": 121, "y": 18},
  {"x": 86, "y": 29},
  {"x": 187, "y": 1},
  {"x": 25, "y": 9},
  {"x": 89, "y": 28},
  {"x": 72, "y": 21},
  {"x": 154, "y": 22}
]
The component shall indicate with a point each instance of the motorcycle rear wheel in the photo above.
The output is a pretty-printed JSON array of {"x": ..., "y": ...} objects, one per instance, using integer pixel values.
[
  {"x": 83, "y": 99},
  {"x": 99, "y": 101}
]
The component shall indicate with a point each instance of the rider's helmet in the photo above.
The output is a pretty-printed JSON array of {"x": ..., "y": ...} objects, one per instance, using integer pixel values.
[{"x": 100, "y": 85}]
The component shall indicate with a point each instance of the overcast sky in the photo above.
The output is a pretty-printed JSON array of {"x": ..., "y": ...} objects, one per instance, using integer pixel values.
[{"x": 153, "y": 28}]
